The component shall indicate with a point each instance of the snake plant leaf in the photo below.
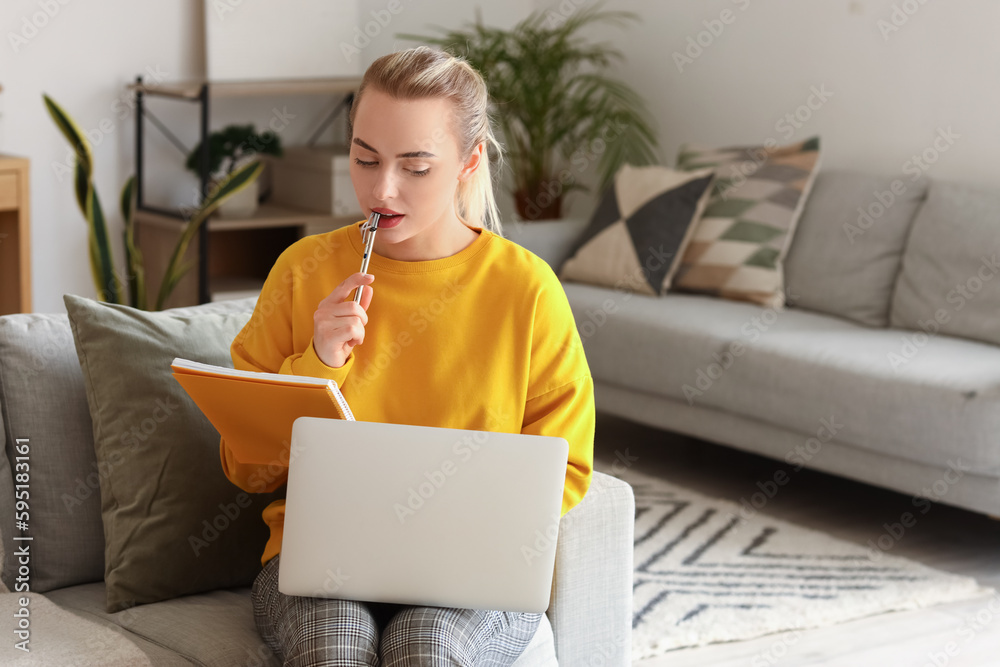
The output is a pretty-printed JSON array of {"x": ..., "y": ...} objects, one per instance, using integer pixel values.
[
  {"x": 81, "y": 183},
  {"x": 101, "y": 262},
  {"x": 95, "y": 260},
  {"x": 232, "y": 184},
  {"x": 72, "y": 132},
  {"x": 126, "y": 200},
  {"x": 133, "y": 256},
  {"x": 109, "y": 287}
]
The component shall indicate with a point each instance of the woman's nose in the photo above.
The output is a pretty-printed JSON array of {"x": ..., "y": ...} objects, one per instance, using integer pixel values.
[{"x": 385, "y": 187}]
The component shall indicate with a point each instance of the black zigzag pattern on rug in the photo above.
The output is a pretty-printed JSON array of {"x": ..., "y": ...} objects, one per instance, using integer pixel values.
[{"x": 678, "y": 557}]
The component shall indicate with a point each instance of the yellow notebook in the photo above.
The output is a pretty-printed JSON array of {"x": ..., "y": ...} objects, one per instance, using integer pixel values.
[{"x": 254, "y": 411}]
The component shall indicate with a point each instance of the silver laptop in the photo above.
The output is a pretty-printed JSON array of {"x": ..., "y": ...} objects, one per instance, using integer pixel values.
[{"x": 421, "y": 515}]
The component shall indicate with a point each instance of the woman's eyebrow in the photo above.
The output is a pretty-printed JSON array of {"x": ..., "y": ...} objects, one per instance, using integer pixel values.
[{"x": 364, "y": 144}]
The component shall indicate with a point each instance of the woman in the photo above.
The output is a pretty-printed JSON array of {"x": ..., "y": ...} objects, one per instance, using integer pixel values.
[{"x": 469, "y": 331}]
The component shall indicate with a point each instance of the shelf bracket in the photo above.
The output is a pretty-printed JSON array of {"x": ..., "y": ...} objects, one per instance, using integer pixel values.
[{"x": 345, "y": 103}]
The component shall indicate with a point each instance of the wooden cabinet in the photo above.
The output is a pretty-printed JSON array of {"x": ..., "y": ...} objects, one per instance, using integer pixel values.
[{"x": 15, "y": 240}]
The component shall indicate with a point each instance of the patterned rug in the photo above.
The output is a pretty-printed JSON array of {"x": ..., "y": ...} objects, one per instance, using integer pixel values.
[{"x": 704, "y": 573}]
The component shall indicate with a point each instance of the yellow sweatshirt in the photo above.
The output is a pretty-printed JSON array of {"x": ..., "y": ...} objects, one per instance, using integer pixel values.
[{"x": 483, "y": 340}]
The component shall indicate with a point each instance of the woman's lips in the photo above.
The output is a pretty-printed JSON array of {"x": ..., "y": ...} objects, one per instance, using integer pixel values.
[{"x": 388, "y": 221}]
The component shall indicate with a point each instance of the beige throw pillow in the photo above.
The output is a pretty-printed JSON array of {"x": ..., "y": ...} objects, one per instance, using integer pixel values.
[
  {"x": 739, "y": 245},
  {"x": 638, "y": 232}
]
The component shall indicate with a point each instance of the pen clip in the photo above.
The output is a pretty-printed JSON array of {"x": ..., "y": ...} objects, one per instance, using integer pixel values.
[{"x": 370, "y": 226}]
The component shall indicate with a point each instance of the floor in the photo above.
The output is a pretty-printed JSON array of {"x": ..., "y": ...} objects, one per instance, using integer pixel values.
[{"x": 957, "y": 635}]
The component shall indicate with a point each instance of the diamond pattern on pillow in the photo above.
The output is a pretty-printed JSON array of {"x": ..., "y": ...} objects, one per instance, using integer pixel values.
[
  {"x": 639, "y": 230},
  {"x": 739, "y": 244}
]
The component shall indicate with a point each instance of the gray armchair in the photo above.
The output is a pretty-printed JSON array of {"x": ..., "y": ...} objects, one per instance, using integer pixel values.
[{"x": 591, "y": 606}]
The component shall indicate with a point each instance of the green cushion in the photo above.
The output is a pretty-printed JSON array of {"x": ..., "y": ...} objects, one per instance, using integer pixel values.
[{"x": 173, "y": 523}]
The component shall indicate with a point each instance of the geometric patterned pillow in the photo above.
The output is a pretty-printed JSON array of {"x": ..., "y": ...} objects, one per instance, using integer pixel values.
[
  {"x": 739, "y": 244},
  {"x": 637, "y": 234}
]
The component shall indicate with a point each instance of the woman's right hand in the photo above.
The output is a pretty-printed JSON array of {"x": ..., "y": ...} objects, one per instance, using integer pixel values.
[{"x": 339, "y": 323}]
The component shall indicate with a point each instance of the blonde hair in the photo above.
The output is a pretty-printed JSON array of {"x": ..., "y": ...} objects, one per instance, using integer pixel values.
[{"x": 422, "y": 72}]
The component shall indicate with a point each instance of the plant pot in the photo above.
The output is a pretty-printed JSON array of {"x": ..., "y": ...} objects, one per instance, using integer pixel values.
[
  {"x": 243, "y": 204},
  {"x": 537, "y": 206}
]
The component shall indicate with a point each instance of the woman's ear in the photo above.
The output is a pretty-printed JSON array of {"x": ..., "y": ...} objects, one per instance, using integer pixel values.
[{"x": 473, "y": 162}]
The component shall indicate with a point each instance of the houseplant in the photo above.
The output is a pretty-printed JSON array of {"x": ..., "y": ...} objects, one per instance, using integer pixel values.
[
  {"x": 229, "y": 148},
  {"x": 107, "y": 281},
  {"x": 555, "y": 106}
]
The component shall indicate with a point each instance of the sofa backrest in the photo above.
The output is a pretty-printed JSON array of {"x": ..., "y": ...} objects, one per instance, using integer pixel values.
[
  {"x": 846, "y": 252},
  {"x": 950, "y": 278},
  {"x": 42, "y": 400}
]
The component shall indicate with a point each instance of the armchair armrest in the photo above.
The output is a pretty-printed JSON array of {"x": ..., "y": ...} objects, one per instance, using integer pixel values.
[{"x": 591, "y": 604}]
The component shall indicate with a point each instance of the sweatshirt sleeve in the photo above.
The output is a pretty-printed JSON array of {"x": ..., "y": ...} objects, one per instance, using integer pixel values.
[
  {"x": 560, "y": 398},
  {"x": 266, "y": 344},
  {"x": 568, "y": 411}
]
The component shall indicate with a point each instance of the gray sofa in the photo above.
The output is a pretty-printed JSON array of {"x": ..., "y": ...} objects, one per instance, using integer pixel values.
[
  {"x": 885, "y": 367},
  {"x": 42, "y": 399}
]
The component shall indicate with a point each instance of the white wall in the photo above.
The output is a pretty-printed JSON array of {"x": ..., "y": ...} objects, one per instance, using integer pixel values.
[{"x": 889, "y": 96}]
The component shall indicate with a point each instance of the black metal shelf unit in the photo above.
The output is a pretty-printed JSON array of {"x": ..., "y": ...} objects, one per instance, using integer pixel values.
[{"x": 199, "y": 92}]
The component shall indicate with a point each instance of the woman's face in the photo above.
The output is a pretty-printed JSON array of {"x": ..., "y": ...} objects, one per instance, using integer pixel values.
[{"x": 404, "y": 159}]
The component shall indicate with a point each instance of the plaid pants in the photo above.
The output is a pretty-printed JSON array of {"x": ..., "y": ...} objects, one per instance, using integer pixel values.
[{"x": 310, "y": 631}]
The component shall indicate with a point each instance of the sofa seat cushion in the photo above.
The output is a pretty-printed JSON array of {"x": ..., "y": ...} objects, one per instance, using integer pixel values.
[
  {"x": 927, "y": 399},
  {"x": 217, "y": 628},
  {"x": 541, "y": 650},
  {"x": 655, "y": 344},
  {"x": 939, "y": 406},
  {"x": 57, "y": 636}
]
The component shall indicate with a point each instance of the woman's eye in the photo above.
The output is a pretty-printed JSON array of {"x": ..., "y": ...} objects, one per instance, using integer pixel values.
[{"x": 362, "y": 163}]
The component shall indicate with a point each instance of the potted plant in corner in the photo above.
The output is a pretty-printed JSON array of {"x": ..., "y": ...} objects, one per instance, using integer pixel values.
[
  {"x": 557, "y": 110},
  {"x": 230, "y": 149}
]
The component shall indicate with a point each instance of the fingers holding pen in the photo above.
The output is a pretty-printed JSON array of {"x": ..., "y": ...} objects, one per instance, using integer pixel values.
[{"x": 339, "y": 322}]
